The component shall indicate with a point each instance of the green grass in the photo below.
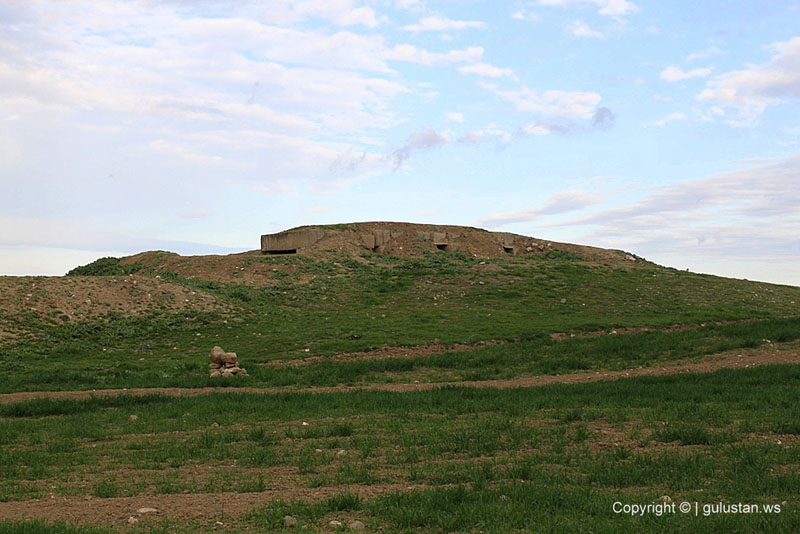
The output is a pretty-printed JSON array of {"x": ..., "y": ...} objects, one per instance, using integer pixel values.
[
  {"x": 488, "y": 459},
  {"x": 46, "y": 527},
  {"x": 141, "y": 352},
  {"x": 108, "y": 266}
]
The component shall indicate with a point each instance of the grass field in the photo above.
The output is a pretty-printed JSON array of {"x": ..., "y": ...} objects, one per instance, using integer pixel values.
[
  {"x": 551, "y": 458},
  {"x": 495, "y": 460}
]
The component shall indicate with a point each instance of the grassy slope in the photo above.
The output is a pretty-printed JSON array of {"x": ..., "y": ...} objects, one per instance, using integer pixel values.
[{"x": 341, "y": 304}]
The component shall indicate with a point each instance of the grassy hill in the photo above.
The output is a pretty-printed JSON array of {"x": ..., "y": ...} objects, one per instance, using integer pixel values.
[{"x": 337, "y": 340}]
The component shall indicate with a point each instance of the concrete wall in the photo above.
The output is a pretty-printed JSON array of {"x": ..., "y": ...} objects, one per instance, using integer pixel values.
[{"x": 290, "y": 240}]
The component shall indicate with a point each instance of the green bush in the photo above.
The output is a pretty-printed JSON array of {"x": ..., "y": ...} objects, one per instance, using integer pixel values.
[{"x": 108, "y": 266}]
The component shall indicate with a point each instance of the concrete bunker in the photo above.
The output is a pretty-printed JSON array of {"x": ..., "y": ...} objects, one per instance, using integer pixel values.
[
  {"x": 440, "y": 241},
  {"x": 290, "y": 241},
  {"x": 402, "y": 239}
]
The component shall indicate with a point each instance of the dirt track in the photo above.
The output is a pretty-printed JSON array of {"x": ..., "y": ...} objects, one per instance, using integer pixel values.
[
  {"x": 202, "y": 507},
  {"x": 770, "y": 354}
]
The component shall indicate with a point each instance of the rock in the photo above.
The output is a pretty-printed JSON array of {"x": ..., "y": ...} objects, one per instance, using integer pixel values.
[
  {"x": 230, "y": 365},
  {"x": 215, "y": 372},
  {"x": 666, "y": 499},
  {"x": 132, "y": 520},
  {"x": 227, "y": 372},
  {"x": 357, "y": 525},
  {"x": 228, "y": 357},
  {"x": 216, "y": 354},
  {"x": 133, "y": 417},
  {"x": 289, "y": 521},
  {"x": 563, "y": 301},
  {"x": 214, "y": 365},
  {"x": 342, "y": 452},
  {"x": 335, "y": 524},
  {"x": 146, "y": 511}
]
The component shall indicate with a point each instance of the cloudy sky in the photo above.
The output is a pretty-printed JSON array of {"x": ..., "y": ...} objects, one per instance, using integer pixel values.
[{"x": 668, "y": 129}]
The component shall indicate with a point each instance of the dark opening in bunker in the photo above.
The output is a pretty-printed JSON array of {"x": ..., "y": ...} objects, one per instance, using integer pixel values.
[
  {"x": 441, "y": 246},
  {"x": 508, "y": 250},
  {"x": 287, "y": 251}
]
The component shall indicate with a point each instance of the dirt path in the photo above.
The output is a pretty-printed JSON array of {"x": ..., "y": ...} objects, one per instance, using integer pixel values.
[
  {"x": 386, "y": 353},
  {"x": 202, "y": 507},
  {"x": 773, "y": 353}
]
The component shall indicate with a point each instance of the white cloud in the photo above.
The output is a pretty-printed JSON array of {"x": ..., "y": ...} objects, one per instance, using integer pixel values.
[
  {"x": 535, "y": 129},
  {"x": 746, "y": 213},
  {"x": 672, "y": 117},
  {"x": 553, "y": 102},
  {"x": 490, "y": 132},
  {"x": 440, "y": 23},
  {"x": 562, "y": 202},
  {"x": 675, "y": 74},
  {"x": 581, "y": 29},
  {"x": 454, "y": 117},
  {"x": 611, "y": 8},
  {"x": 748, "y": 92},
  {"x": 182, "y": 151},
  {"x": 525, "y": 15},
  {"x": 704, "y": 54},
  {"x": 339, "y": 12},
  {"x": 486, "y": 70},
  {"x": 422, "y": 140},
  {"x": 412, "y": 54}
]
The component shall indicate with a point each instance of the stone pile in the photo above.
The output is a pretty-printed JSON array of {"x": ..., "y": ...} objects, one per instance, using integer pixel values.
[{"x": 224, "y": 363}]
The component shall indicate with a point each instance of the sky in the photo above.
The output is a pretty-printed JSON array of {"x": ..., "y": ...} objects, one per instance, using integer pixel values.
[{"x": 667, "y": 129}]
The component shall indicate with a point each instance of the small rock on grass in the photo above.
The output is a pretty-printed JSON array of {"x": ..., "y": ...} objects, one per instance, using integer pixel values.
[
  {"x": 357, "y": 525},
  {"x": 335, "y": 524},
  {"x": 132, "y": 520},
  {"x": 146, "y": 510},
  {"x": 289, "y": 521}
]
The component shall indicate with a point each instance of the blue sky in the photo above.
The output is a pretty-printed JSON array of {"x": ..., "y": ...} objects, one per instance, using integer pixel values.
[{"x": 668, "y": 129}]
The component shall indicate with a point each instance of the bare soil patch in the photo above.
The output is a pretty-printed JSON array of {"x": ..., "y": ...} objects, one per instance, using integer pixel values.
[
  {"x": 237, "y": 268},
  {"x": 87, "y": 297},
  {"x": 385, "y": 353},
  {"x": 202, "y": 507}
]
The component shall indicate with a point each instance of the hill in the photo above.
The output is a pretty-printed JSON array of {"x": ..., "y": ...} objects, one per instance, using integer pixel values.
[
  {"x": 338, "y": 296},
  {"x": 426, "y": 378}
]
